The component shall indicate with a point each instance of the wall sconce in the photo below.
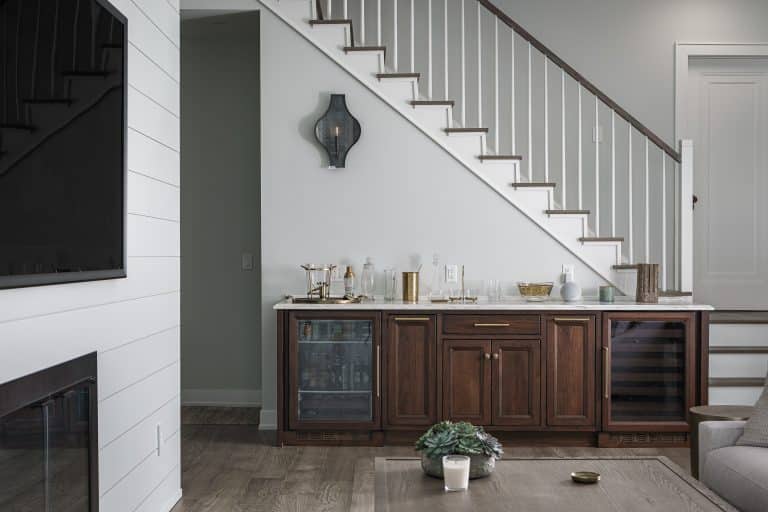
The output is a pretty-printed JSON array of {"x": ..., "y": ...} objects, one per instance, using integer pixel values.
[{"x": 337, "y": 131}]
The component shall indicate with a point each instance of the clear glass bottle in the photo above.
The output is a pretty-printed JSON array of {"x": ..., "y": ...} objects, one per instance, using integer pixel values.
[
  {"x": 436, "y": 282},
  {"x": 367, "y": 279}
]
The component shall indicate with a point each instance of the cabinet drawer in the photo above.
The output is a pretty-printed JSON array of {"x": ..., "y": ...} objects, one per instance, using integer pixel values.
[{"x": 491, "y": 324}]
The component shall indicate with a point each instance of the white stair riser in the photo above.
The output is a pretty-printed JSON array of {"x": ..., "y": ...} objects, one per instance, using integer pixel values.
[
  {"x": 465, "y": 145},
  {"x": 433, "y": 118},
  {"x": 331, "y": 36},
  {"x": 365, "y": 63},
  {"x": 397, "y": 91}
]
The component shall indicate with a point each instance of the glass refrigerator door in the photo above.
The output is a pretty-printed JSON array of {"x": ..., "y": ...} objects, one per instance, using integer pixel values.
[
  {"x": 648, "y": 371},
  {"x": 335, "y": 370}
]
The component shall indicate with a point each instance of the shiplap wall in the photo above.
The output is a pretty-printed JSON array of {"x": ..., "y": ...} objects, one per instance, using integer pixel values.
[{"x": 133, "y": 323}]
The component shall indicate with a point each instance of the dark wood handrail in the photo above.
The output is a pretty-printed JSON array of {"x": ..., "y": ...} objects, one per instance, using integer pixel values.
[{"x": 640, "y": 127}]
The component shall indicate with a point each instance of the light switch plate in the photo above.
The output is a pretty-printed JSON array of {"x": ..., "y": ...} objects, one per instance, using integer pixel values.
[
  {"x": 247, "y": 261},
  {"x": 569, "y": 268}
]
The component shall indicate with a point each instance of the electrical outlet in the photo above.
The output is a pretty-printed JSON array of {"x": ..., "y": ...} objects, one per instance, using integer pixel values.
[{"x": 451, "y": 273}]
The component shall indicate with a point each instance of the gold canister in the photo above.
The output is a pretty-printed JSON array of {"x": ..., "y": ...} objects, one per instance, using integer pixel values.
[{"x": 411, "y": 287}]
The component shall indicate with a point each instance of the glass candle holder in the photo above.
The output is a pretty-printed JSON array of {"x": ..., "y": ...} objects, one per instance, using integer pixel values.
[
  {"x": 456, "y": 472},
  {"x": 606, "y": 294}
]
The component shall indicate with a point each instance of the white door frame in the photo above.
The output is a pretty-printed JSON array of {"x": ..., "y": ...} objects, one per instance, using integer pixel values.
[{"x": 683, "y": 54}]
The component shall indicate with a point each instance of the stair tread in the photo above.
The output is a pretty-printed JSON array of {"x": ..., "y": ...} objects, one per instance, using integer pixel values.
[
  {"x": 18, "y": 126},
  {"x": 331, "y": 22},
  {"x": 567, "y": 212},
  {"x": 466, "y": 130},
  {"x": 398, "y": 75},
  {"x": 365, "y": 49},
  {"x": 500, "y": 157},
  {"x": 601, "y": 239},
  {"x": 626, "y": 266},
  {"x": 532, "y": 184},
  {"x": 447, "y": 103},
  {"x": 674, "y": 293}
]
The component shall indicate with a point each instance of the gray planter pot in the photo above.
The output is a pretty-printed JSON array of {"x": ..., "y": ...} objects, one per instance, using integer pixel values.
[{"x": 480, "y": 466}]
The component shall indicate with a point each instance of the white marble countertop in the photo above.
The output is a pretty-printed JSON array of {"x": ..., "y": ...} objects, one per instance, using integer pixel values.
[{"x": 507, "y": 304}]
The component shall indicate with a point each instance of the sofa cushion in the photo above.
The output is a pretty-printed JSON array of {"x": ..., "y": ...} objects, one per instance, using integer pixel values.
[
  {"x": 740, "y": 475},
  {"x": 756, "y": 429}
]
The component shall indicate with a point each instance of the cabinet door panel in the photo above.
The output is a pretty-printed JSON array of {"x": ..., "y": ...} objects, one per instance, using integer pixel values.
[
  {"x": 411, "y": 371},
  {"x": 517, "y": 383},
  {"x": 571, "y": 371},
  {"x": 466, "y": 381}
]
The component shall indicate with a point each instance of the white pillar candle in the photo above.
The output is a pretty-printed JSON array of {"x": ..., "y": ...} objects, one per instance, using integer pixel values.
[{"x": 456, "y": 472}]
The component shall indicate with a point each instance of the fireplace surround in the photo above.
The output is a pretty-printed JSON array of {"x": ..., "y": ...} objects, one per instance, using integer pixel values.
[{"x": 48, "y": 439}]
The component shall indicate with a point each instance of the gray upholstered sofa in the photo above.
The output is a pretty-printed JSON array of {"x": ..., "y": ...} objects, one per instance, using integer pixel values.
[{"x": 737, "y": 473}]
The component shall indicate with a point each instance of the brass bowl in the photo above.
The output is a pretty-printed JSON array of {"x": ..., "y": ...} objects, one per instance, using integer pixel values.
[
  {"x": 535, "y": 292},
  {"x": 585, "y": 477}
]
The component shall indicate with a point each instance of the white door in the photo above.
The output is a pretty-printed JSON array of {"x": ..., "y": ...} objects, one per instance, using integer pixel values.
[{"x": 727, "y": 118}]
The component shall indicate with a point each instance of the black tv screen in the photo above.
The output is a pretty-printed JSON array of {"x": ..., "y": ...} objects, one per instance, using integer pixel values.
[{"x": 62, "y": 141}]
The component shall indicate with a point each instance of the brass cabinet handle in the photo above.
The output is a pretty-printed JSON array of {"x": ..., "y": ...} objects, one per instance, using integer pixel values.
[
  {"x": 492, "y": 325},
  {"x": 378, "y": 371},
  {"x": 487, "y": 355},
  {"x": 572, "y": 319},
  {"x": 496, "y": 355},
  {"x": 412, "y": 319},
  {"x": 606, "y": 363}
]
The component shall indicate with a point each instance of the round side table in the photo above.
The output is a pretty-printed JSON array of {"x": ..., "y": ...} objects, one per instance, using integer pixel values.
[{"x": 712, "y": 413}]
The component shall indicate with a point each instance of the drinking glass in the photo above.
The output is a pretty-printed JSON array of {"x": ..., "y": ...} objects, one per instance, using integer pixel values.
[
  {"x": 390, "y": 284},
  {"x": 456, "y": 472},
  {"x": 493, "y": 290}
]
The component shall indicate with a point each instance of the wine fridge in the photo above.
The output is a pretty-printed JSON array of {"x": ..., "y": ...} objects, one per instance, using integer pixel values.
[
  {"x": 334, "y": 375},
  {"x": 648, "y": 362}
]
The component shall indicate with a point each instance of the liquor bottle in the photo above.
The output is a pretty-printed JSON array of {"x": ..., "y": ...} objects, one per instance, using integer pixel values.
[{"x": 349, "y": 282}]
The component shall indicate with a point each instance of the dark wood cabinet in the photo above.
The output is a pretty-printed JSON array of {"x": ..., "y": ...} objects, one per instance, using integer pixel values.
[
  {"x": 467, "y": 381},
  {"x": 516, "y": 383},
  {"x": 649, "y": 371},
  {"x": 411, "y": 370},
  {"x": 571, "y": 394}
]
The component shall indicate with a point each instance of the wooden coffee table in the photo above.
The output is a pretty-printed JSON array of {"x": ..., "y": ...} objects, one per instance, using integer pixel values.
[{"x": 641, "y": 484}]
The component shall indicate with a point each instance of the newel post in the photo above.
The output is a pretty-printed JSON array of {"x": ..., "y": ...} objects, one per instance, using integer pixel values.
[{"x": 686, "y": 215}]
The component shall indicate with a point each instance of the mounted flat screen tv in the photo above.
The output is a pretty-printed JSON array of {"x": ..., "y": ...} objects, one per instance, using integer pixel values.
[{"x": 62, "y": 142}]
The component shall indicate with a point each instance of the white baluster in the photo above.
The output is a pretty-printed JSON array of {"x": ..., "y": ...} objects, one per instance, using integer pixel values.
[
  {"x": 597, "y": 166},
  {"x": 344, "y": 9},
  {"x": 663, "y": 220},
  {"x": 496, "y": 83},
  {"x": 630, "y": 236},
  {"x": 463, "y": 69},
  {"x": 394, "y": 39},
  {"x": 445, "y": 45},
  {"x": 429, "y": 49},
  {"x": 378, "y": 22},
  {"x": 530, "y": 113},
  {"x": 514, "y": 132},
  {"x": 328, "y": 4},
  {"x": 562, "y": 149},
  {"x": 413, "y": 40},
  {"x": 580, "y": 152},
  {"x": 613, "y": 173},
  {"x": 546, "y": 119},
  {"x": 647, "y": 206},
  {"x": 479, "y": 68},
  {"x": 362, "y": 22},
  {"x": 686, "y": 216}
]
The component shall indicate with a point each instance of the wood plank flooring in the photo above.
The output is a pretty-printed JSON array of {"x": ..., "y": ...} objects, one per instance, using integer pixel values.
[{"x": 235, "y": 468}]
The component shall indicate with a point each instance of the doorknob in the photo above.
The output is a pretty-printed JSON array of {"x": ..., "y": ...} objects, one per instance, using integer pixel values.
[
  {"x": 495, "y": 355},
  {"x": 487, "y": 355},
  {"x": 695, "y": 200}
]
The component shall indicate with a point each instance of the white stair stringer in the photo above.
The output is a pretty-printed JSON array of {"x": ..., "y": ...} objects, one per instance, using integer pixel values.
[{"x": 433, "y": 120}]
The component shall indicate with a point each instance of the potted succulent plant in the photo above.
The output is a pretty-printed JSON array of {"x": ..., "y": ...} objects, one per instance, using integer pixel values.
[{"x": 461, "y": 438}]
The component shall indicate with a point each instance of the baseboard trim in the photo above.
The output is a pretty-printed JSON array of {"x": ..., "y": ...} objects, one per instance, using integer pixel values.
[
  {"x": 221, "y": 397},
  {"x": 268, "y": 419},
  {"x": 173, "y": 501}
]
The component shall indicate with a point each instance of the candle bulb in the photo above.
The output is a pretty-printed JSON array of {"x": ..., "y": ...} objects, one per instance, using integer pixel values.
[{"x": 336, "y": 139}]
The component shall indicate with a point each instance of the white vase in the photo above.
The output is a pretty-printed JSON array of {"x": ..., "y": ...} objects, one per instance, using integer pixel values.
[{"x": 570, "y": 291}]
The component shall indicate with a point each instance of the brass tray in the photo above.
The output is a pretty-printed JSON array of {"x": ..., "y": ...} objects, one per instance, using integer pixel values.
[{"x": 329, "y": 300}]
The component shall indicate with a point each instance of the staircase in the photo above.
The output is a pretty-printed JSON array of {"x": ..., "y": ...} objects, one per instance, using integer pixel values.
[{"x": 49, "y": 77}]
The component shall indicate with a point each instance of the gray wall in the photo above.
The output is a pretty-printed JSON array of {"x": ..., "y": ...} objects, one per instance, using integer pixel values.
[
  {"x": 220, "y": 209},
  {"x": 626, "y": 47}
]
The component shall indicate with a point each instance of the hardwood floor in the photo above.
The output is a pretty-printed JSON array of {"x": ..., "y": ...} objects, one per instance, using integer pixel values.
[{"x": 234, "y": 468}]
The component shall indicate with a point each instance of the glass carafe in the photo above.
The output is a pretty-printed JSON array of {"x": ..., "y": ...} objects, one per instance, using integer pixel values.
[{"x": 367, "y": 279}]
